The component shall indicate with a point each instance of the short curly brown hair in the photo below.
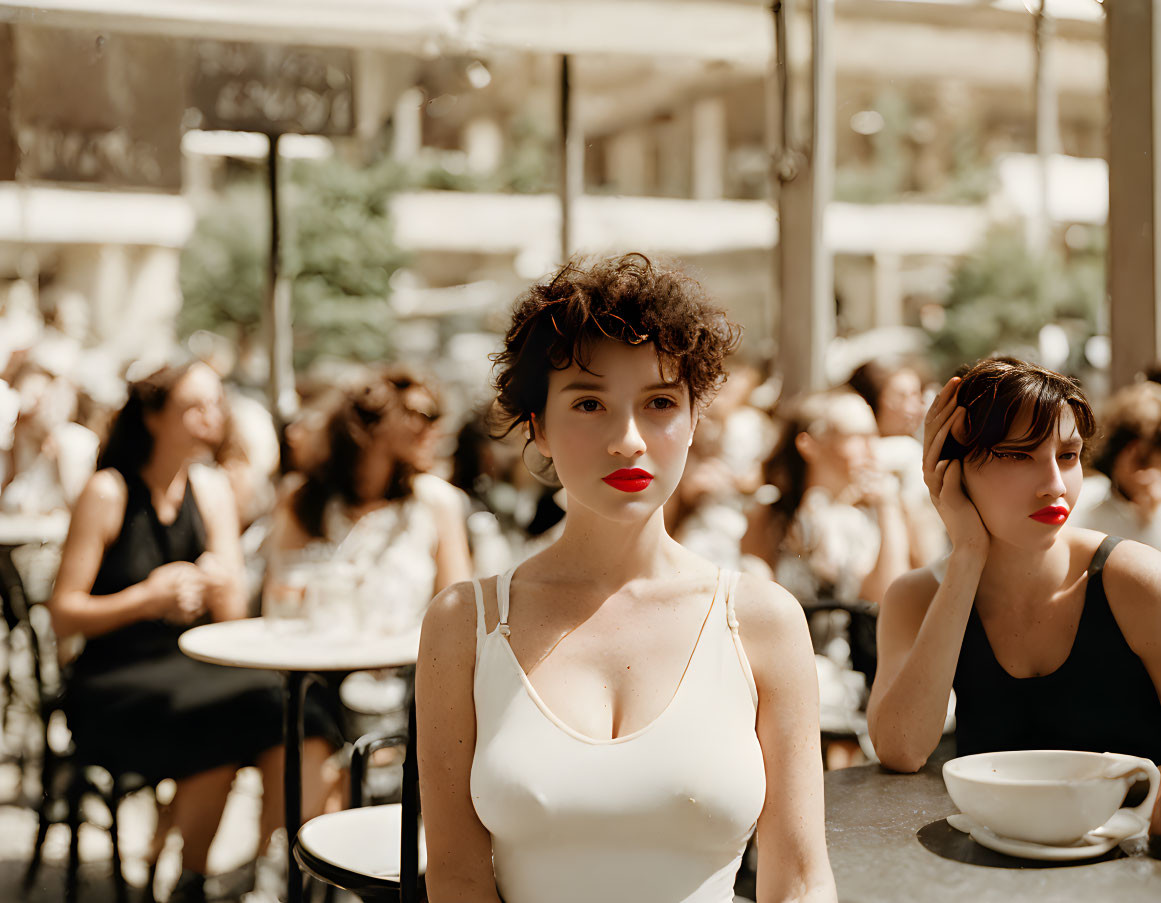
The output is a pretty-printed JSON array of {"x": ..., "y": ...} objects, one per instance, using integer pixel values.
[{"x": 629, "y": 299}]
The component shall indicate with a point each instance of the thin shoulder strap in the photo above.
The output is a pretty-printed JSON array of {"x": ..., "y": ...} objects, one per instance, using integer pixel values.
[
  {"x": 1101, "y": 556},
  {"x": 481, "y": 625},
  {"x": 503, "y": 585},
  {"x": 731, "y": 583}
]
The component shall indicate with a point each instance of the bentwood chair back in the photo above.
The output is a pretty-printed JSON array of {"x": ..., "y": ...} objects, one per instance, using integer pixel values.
[
  {"x": 68, "y": 774},
  {"x": 376, "y": 852}
]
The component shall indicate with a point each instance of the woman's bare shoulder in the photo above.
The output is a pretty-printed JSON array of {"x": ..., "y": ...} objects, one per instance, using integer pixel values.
[
  {"x": 454, "y": 612},
  {"x": 106, "y": 486},
  {"x": 771, "y": 621},
  {"x": 1133, "y": 572},
  {"x": 761, "y": 601},
  {"x": 102, "y": 501}
]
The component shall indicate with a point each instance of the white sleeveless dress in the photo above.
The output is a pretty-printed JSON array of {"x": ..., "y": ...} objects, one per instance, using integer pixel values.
[{"x": 661, "y": 815}]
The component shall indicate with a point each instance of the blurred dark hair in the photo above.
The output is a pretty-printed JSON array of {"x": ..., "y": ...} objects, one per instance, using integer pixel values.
[
  {"x": 1133, "y": 414},
  {"x": 130, "y": 444},
  {"x": 997, "y": 390},
  {"x": 816, "y": 413},
  {"x": 871, "y": 378},
  {"x": 868, "y": 380},
  {"x": 628, "y": 299},
  {"x": 349, "y": 429}
]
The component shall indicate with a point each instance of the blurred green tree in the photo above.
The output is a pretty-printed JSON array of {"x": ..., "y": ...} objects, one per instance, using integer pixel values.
[
  {"x": 1000, "y": 297},
  {"x": 887, "y": 171},
  {"x": 338, "y": 251}
]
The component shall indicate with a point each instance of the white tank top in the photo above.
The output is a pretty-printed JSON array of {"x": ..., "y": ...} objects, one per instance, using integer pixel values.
[{"x": 661, "y": 815}]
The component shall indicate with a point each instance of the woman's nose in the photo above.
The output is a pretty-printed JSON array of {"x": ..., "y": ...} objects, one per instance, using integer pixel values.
[
  {"x": 627, "y": 440},
  {"x": 1052, "y": 481}
]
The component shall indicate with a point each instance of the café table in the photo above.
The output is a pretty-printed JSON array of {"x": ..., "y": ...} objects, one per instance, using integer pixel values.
[
  {"x": 263, "y": 644},
  {"x": 888, "y": 843}
]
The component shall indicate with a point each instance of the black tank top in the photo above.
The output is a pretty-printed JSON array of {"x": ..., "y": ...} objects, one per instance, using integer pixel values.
[
  {"x": 143, "y": 544},
  {"x": 1101, "y": 699}
]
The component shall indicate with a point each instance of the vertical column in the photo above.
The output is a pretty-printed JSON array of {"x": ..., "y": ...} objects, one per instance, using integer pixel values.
[
  {"x": 888, "y": 289},
  {"x": 805, "y": 173},
  {"x": 483, "y": 142},
  {"x": 709, "y": 148},
  {"x": 1131, "y": 33},
  {"x": 407, "y": 122}
]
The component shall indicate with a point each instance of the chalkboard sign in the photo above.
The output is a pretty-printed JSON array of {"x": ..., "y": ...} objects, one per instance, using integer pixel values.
[
  {"x": 88, "y": 106},
  {"x": 273, "y": 88}
]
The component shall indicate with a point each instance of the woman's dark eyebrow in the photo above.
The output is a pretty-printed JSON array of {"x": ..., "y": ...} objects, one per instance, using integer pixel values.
[
  {"x": 597, "y": 387},
  {"x": 583, "y": 387}
]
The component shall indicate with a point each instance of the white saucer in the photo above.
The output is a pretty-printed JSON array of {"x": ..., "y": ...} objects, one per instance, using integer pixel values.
[{"x": 1121, "y": 826}]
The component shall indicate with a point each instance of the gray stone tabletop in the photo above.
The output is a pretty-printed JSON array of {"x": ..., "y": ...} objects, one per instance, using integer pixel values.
[{"x": 872, "y": 821}]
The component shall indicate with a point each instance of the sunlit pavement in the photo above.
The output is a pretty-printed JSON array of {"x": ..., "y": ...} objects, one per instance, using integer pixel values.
[{"x": 235, "y": 845}]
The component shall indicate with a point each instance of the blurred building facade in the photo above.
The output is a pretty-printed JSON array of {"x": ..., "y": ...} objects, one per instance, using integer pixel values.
[{"x": 112, "y": 150}]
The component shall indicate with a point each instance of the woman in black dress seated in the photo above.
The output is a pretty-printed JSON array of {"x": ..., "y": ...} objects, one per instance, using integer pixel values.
[
  {"x": 152, "y": 549},
  {"x": 1049, "y": 634}
]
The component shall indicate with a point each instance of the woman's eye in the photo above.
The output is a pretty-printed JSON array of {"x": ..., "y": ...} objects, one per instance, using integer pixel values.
[
  {"x": 662, "y": 403},
  {"x": 588, "y": 405},
  {"x": 1069, "y": 456},
  {"x": 1011, "y": 456}
]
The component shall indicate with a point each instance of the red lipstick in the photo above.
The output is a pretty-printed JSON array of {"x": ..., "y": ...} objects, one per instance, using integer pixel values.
[
  {"x": 1053, "y": 515},
  {"x": 630, "y": 479}
]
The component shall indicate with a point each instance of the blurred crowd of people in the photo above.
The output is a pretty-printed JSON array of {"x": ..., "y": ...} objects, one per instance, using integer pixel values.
[
  {"x": 823, "y": 493},
  {"x": 372, "y": 492}
]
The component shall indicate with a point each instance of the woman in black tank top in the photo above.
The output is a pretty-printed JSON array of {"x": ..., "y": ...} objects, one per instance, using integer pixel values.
[
  {"x": 1050, "y": 635},
  {"x": 153, "y": 549}
]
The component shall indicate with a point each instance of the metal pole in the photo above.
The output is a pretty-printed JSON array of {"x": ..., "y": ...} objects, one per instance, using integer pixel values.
[
  {"x": 280, "y": 389},
  {"x": 777, "y": 107},
  {"x": 567, "y": 186},
  {"x": 292, "y": 731},
  {"x": 1047, "y": 140}
]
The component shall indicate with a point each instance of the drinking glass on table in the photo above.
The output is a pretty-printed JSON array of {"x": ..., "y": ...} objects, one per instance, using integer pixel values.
[
  {"x": 333, "y": 603},
  {"x": 287, "y": 595}
]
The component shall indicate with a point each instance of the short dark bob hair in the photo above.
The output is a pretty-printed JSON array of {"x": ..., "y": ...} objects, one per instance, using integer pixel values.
[
  {"x": 628, "y": 299},
  {"x": 996, "y": 391}
]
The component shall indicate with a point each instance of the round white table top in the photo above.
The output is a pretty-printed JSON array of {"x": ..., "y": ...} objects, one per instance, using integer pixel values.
[{"x": 254, "y": 643}]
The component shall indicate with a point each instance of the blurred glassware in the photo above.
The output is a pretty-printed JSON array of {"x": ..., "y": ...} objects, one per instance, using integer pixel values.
[{"x": 285, "y": 597}]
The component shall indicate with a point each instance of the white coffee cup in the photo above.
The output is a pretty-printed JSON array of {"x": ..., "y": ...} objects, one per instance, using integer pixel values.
[{"x": 1047, "y": 796}]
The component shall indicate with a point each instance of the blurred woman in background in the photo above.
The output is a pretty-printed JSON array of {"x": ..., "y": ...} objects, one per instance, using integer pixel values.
[
  {"x": 1124, "y": 497},
  {"x": 836, "y": 536},
  {"x": 836, "y": 527},
  {"x": 365, "y": 501},
  {"x": 152, "y": 549},
  {"x": 371, "y": 530},
  {"x": 895, "y": 394}
]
